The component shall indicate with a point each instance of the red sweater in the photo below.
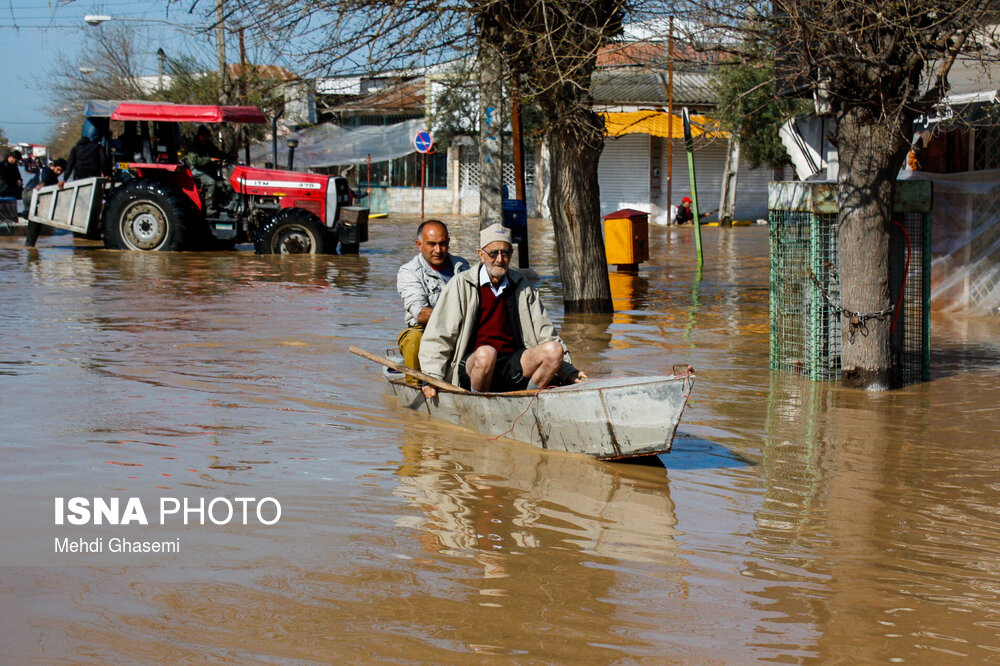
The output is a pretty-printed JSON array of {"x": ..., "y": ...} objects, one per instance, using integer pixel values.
[{"x": 494, "y": 324}]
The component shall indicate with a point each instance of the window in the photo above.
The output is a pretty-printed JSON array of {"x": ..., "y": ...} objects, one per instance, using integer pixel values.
[{"x": 405, "y": 171}]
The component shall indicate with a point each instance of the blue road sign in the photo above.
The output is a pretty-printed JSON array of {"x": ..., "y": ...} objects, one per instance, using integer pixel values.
[{"x": 423, "y": 142}]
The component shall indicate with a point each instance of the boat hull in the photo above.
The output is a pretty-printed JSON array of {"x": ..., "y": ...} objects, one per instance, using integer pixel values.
[{"x": 607, "y": 419}]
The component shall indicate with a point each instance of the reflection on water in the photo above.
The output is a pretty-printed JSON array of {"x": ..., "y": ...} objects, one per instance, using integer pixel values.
[
  {"x": 477, "y": 501},
  {"x": 792, "y": 522},
  {"x": 906, "y": 497}
]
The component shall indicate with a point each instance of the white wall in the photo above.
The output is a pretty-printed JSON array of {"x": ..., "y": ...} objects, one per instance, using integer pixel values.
[
  {"x": 709, "y": 161},
  {"x": 623, "y": 173},
  {"x": 437, "y": 200}
]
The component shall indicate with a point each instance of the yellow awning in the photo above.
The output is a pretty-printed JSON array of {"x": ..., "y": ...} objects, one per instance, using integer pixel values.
[{"x": 659, "y": 123}]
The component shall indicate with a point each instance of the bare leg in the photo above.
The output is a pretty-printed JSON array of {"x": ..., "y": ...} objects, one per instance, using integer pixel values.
[
  {"x": 541, "y": 363},
  {"x": 479, "y": 366}
]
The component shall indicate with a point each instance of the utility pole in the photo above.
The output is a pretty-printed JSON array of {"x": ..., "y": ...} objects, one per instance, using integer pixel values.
[
  {"x": 243, "y": 96},
  {"x": 518, "y": 139},
  {"x": 670, "y": 112},
  {"x": 519, "y": 186},
  {"x": 241, "y": 85},
  {"x": 689, "y": 145},
  {"x": 161, "y": 56},
  {"x": 220, "y": 48}
]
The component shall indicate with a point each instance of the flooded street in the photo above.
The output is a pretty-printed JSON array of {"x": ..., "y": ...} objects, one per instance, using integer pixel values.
[{"x": 793, "y": 521}]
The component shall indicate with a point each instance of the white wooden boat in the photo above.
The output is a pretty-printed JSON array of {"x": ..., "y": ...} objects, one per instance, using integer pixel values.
[{"x": 606, "y": 418}]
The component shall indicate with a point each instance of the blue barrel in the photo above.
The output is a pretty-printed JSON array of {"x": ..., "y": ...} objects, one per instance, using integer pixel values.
[{"x": 515, "y": 218}]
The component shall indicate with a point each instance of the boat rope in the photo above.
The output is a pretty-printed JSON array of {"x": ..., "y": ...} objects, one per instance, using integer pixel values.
[
  {"x": 686, "y": 375},
  {"x": 514, "y": 424}
]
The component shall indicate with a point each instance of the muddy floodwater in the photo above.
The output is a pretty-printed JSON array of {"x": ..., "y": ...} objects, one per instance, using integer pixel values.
[{"x": 793, "y": 522}]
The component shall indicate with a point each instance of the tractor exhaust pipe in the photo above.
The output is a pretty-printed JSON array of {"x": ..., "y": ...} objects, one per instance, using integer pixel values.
[{"x": 292, "y": 145}]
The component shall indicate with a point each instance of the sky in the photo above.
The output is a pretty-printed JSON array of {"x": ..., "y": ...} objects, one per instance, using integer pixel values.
[{"x": 35, "y": 32}]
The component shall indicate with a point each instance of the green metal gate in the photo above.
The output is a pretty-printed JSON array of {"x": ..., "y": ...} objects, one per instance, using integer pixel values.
[{"x": 804, "y": 284}]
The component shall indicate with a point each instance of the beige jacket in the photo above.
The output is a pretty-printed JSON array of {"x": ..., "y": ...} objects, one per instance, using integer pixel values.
[{"x": 452, "y": 325}]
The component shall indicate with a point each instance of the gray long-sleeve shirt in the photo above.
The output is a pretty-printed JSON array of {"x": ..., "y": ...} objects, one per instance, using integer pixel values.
[{"x": 419, "y": 285}]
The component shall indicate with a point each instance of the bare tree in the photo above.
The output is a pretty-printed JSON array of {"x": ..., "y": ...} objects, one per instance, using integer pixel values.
[
  {"x": 548, "y": 49},
  {"x": 112, "y": 67},
  {"x": 875, "y": 65},
  {"x": 109, "y": 67}
]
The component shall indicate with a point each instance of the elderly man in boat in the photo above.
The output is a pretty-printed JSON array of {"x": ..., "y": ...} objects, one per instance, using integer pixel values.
[
  {"x": 489, "y": 330},
  {"x": 420, "y": 282}
]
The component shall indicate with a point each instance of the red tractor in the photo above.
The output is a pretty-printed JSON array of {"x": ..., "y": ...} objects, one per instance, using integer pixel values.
[{"x": 152, "y": 201}]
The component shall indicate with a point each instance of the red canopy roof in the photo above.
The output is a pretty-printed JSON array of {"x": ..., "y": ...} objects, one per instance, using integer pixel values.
[{"x": 188, "y": 113}]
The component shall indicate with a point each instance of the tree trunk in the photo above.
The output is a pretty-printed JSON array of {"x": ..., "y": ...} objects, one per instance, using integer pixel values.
[
  {"x": 543, "y": 181},
  {"x": 575, "y": 204},
  {"x": 871, "y": 151},
  {"x": 490, "y": 130}
]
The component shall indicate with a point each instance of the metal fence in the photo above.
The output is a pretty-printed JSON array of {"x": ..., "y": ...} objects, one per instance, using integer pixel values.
[
  {"x": 910, "y": 251},
  {"x": 805, "y": 322},
  {"x": 986, "y": 148},
  {"x": 470, "y": 177},
  {"x": 805, "y": 329}
]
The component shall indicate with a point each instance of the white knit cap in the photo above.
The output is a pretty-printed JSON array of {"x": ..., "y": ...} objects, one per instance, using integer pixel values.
[{"x": 494, "y": 233}]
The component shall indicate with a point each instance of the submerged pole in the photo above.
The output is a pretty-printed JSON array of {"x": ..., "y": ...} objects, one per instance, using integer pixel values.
[
  {"x": 670, "y": 122},
  {"x": 689, "y": 145}
]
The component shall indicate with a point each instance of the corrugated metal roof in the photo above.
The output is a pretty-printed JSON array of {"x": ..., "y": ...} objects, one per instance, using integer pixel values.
[
  {"x": 612, "y": 86},
  {"x": 628, "y": 85}
]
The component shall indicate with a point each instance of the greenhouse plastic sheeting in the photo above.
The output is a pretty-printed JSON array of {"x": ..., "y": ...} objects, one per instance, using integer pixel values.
[
  {"x": 330, "y": 145},
  {"x": 965, "y": 275}
]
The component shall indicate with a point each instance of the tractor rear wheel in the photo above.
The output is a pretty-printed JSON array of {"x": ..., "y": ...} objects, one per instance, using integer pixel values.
[
  {"x": 146, "y": 215},
  {"x": 292, "y": 231}
]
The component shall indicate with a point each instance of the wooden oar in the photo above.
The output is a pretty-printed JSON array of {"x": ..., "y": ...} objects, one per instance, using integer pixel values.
[{"x": 439, "y": 384}]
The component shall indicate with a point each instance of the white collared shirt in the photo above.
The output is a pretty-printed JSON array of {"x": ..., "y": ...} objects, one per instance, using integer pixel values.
[{"x": 484, "y": 278}]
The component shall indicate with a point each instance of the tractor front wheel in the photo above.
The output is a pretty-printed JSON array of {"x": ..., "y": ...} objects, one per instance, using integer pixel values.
[{"x": 292, "y": 231}]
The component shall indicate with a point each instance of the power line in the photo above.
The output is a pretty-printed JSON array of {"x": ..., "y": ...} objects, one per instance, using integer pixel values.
[
  {"x": 117, "y": 16},
  {"x": 45, "y": 4},
  {"x": 46, "y": 26}
]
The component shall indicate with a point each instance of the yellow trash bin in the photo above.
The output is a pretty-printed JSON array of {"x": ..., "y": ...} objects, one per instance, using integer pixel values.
[{"x": 626, "y": 238}]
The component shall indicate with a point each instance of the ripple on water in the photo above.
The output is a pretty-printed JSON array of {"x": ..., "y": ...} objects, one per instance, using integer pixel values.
[{"x": 793, "y": 520}]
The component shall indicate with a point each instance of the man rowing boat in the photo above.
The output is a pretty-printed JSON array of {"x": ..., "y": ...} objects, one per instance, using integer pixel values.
[{"x": 489, "y": 330}]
